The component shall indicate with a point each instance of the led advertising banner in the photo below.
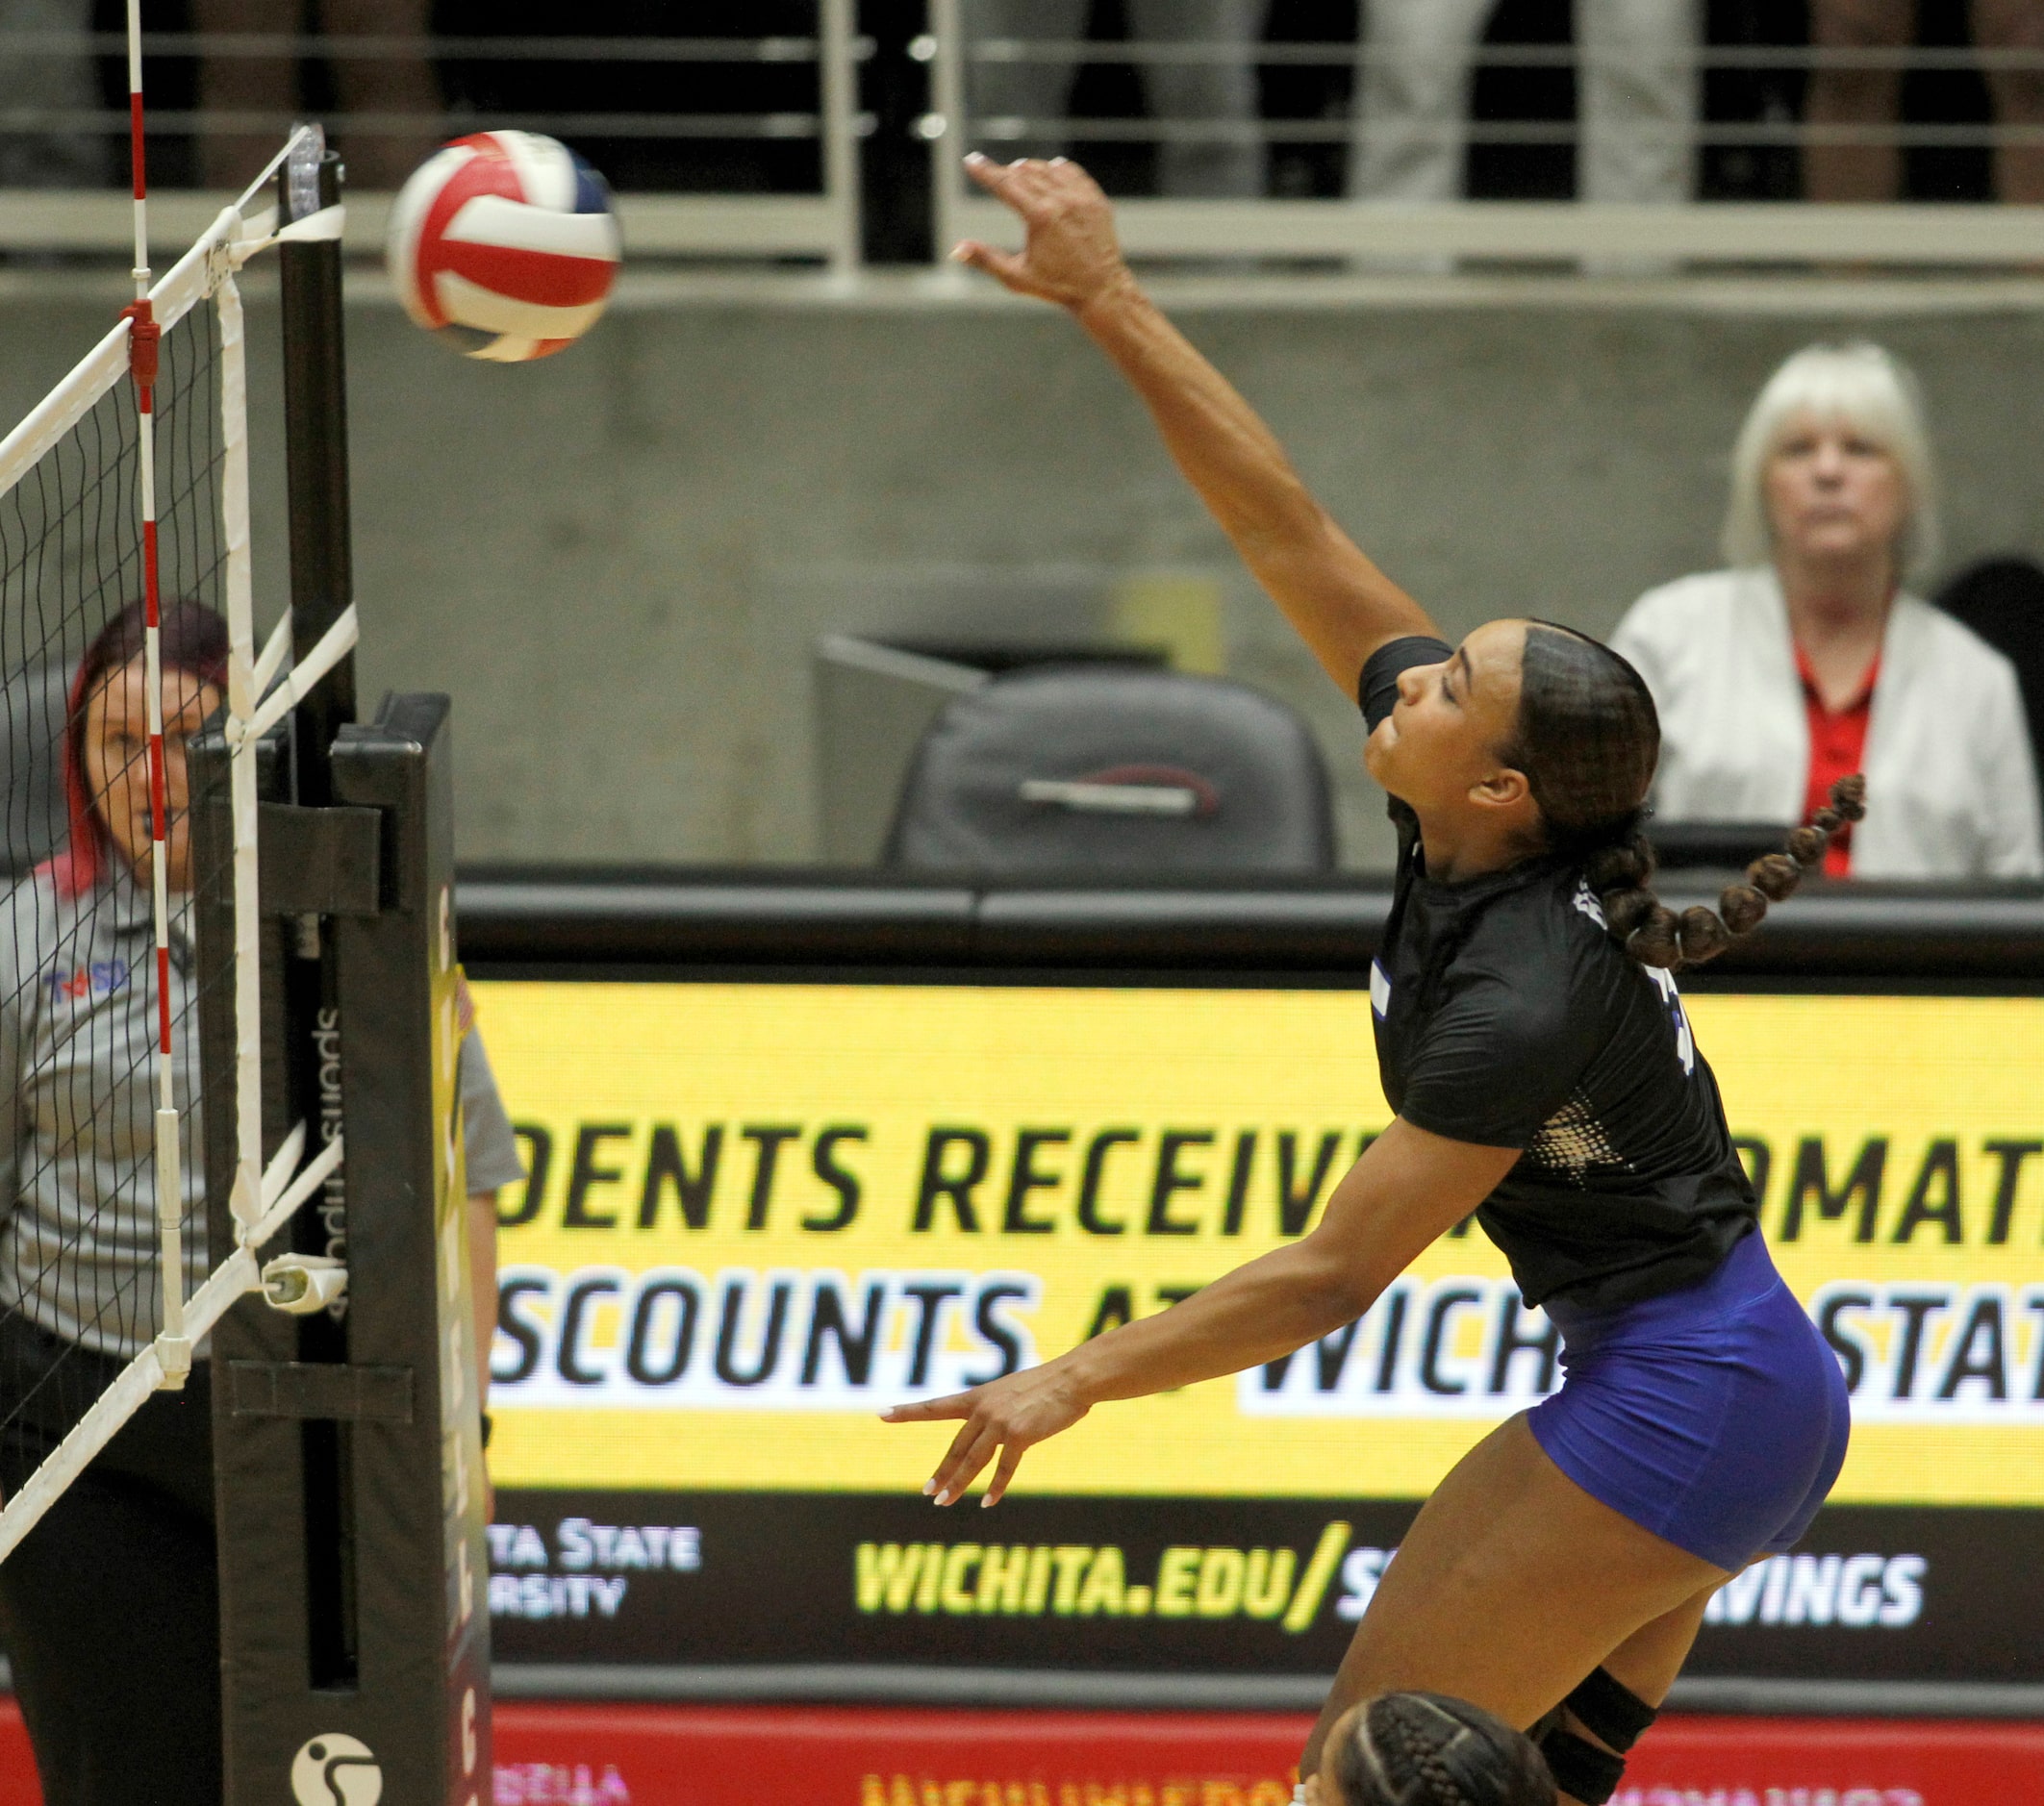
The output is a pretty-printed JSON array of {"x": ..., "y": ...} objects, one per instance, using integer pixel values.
[{"x": 760, "y": 1212}]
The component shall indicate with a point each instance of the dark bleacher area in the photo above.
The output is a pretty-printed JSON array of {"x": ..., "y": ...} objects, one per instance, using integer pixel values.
[{"x": 894, "y": 89}]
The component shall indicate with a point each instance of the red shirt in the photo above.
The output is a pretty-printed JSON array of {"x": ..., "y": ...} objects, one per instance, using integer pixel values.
[{"x": 1838, "y": 744}]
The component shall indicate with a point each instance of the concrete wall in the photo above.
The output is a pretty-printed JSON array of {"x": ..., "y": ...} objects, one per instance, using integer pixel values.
[{"x": 619, "y": 560}]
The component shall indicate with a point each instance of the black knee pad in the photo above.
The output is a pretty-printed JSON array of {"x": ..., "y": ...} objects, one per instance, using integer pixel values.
[
  {"x": 1610, "y": 1711},
  {"x": 1580, "y": 1770}
]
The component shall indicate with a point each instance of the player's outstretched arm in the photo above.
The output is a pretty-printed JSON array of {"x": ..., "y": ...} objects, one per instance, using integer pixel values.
[
  {"x": 1407, "y": 1188},
  {"x": 1342, "y": 605}
]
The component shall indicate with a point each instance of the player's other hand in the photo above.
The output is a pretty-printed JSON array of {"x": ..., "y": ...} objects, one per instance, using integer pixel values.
[
  {"x": 1007, "y": 1416},
  {"x": 1071, "y": 255}
]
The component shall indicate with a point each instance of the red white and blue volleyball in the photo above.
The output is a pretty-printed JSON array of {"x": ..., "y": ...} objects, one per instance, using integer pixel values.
[{"x": 505, "y": 245}]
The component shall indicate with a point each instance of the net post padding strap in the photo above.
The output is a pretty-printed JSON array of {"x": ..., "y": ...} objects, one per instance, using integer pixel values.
[{"x": 335, "y": 644}]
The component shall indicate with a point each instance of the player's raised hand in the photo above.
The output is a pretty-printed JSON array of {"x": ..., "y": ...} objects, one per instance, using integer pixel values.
[
  {"x": 1007, "y": 1415},
  {"x": 1071, "y": 255}
]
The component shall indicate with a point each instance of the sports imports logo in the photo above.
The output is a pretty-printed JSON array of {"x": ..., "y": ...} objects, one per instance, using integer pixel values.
[{"x": 336, "y": 1770}]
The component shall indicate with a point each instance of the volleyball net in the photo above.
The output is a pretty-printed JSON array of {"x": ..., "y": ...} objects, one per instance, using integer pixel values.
[{"x": 126, "y": 624}]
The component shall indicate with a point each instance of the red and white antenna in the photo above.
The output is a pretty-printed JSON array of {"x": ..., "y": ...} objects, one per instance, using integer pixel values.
[
  {"x": 144, "y": 348},
  {"x": 135, "y": 148}
]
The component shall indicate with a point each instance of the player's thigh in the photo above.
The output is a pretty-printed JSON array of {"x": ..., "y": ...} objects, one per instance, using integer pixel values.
[
  {"x": 1649, "y": 1660},
  {"x": 1513, "y": 1584}
]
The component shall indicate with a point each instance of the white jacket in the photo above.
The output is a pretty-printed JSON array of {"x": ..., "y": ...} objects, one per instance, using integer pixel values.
[{"x": 1951, "y": 788}]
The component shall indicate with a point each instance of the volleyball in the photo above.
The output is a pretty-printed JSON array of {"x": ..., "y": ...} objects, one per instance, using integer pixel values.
[{"x": 505, "y": 245}]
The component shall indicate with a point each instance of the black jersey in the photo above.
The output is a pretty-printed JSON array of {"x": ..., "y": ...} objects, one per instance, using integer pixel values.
[{"x": 1507, "y": 1014}]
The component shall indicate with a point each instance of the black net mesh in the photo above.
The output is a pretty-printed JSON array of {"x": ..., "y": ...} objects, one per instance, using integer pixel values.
[{"x": 80, "y": 1247}]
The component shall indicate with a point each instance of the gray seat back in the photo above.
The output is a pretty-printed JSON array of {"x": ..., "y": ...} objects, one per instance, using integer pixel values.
[{"x": 1112, "y": 770}]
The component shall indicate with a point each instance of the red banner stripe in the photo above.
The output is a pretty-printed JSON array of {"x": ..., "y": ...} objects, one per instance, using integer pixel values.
[
  {"x": 550, "y": 1754},
  {"x": 837, "y": 1756},
  {"x": 134, "y": 138}
]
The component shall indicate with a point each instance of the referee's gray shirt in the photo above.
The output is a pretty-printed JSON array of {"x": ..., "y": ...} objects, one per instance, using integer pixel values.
[{"x": 79, "y": 1247}]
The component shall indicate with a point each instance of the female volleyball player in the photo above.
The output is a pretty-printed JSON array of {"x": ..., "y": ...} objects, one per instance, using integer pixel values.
[
  {"x": 109, "y": 1609},
  {"x": 1534, "y": 1048}
]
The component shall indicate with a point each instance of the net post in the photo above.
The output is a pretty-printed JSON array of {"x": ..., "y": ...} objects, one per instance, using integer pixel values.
[
  {"x": 353, "y": 1566},
  {"x": 418, "y": 1698},
  {"x": 424, "y": 1560},
  {"x": 316, "y": 456}
]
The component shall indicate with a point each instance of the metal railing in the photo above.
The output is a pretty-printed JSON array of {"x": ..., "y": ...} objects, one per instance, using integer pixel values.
[
  {"x": 818, "y": 219},
  {"x": 1361, "y": 231},
  {"x": 822, "y": 224}
]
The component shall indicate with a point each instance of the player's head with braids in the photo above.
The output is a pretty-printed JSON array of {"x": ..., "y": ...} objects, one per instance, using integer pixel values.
[
  {"x": 1427, "y": 1749},
  {"x": 1587, "y": 740}
]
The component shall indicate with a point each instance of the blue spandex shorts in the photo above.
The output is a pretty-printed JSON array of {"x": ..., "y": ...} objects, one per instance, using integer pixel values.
[{"x": 1714, "y": 1416}]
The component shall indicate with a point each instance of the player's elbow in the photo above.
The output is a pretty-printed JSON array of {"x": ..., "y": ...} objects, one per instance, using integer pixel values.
[{"x": 1333, "y": 1285}]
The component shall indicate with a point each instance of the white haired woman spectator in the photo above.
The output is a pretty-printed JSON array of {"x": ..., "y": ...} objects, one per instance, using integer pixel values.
[{"x": 1807, "y": 658}]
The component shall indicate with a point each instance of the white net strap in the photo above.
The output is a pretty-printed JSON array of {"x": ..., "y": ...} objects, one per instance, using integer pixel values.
[
  {"x": 335, "y": 644},
  {"x": 245, "y": 686}
]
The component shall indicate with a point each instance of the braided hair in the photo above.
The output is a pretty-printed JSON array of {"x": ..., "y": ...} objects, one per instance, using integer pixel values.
[
  {"x": 1427, "y": 1749},
  {"x": 1588, "y": 739},
  {"x": 1657, "y": 936}
]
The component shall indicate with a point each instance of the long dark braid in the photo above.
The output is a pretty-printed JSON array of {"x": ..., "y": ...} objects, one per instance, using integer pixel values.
[
  {"x": 1588, "y": 739},
  {"x": 1427, "y": 1749},
  {"x": 1654, "y": 935}
]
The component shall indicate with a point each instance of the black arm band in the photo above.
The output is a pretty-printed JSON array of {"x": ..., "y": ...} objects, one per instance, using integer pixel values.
[
  {"x": 1610, "y": 1711},
  {"x": 1580, "y": 1770}
]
